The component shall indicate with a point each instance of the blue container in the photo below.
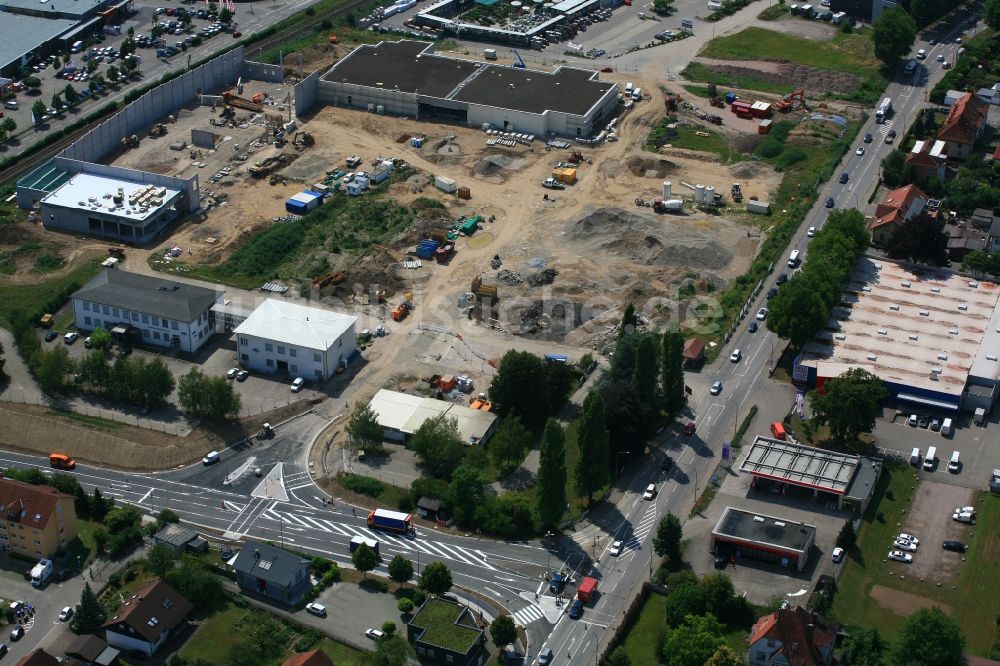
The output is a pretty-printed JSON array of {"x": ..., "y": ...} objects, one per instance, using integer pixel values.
[{"x": 730, "y": 97}]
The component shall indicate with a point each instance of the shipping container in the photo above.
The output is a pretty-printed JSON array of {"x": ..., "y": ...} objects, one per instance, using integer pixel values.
[
  {"x": 357, "y": 541},
  {"x": 761, "y": 207},
  {"x": 303, "y": 202},
  {"x": 445, "y": 184}
]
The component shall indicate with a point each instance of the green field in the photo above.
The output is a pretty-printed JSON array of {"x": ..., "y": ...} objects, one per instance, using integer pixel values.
[
  {"x": 695, "y": 71},
  {"x": 972, "y": 598},
  {"x": 27, "y": 298}
]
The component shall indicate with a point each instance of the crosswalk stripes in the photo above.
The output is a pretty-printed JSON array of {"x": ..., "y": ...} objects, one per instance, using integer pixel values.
[
  {"x": 641, "y": 530},
  {"x": 527, "y": 615}
]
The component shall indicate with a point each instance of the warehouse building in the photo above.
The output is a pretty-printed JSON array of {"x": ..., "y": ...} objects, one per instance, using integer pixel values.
[
  {"x": 406, "y": 78},
  {"x": 838, "y": 480},
  {"x": 932, "y": 336},
  {"x": 138, "y": 308},
  {"x": 741, "y": 534},
  {"x": 296, "y": 340},
  {"x": 401, "y": 414}
]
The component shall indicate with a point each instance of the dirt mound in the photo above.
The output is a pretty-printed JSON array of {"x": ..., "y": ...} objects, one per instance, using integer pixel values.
[
  {"x": 745, "y": 170},
  {"x": 645, "y": 167},
  {"x": 790, "y": 74},
  {"x": 648, "y": 239},
  {"x": 544, "y": 277},
  {"x": 550, "y": 319},
  {"x": 497, "y": 165}
]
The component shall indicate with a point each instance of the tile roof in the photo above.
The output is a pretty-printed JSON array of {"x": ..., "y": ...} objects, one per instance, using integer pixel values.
[
  {"x": 165, "y": 298},
  {"x": 88, "y": 647},
  {"x": 965, "y": 120},
  {"x": 793, "y": 627},
  {"x": 154, "y": 608},
  {"x": 312, "y": 658},
  {"x": 269, "y": 563},
  {"x": 38, "y": 657},
  {"x": 27, "y": 504},
  {"x": 693, "y": 348}
]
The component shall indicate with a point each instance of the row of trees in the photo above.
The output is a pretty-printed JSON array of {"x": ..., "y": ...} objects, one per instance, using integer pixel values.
[
  {"x": 928, "y": 637},
  {"x": 131, "y": 379},
  {"x": 803, "y": 305}
]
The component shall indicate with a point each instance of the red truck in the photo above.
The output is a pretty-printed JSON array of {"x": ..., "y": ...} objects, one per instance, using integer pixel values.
[{"x": 585, "y": 591}]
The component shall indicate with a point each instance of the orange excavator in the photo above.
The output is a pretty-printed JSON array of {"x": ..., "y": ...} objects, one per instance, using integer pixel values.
[{"x": 787, "y": 103}]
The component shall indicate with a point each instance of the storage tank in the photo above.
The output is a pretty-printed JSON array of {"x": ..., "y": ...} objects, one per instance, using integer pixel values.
[
  {"x": 709, "y": 195},
  {"x": 699, "y": 193},
  {"x": 666, "y": 190}
]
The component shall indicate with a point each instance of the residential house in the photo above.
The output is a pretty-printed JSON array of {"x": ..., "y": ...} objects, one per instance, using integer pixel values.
[
  {"x": 153, "y": 613},
  {"x": 445, "y": 632},
  {"x": 963, "y": 240},
  {"x": 92, "y": 650},
  {"x": 928, "y": 158},
  {"x": 792, "y": 637},
  {"x": 694, "y": 351},
  {"x": 296, "y": 340},
  {"x": 982, "y": 218},
  {"x": 897, "y": 208},
  {"x": 312, "y": 658},
  {"x": 38, "y": 657},
  {"x": 35, "y": 521},
  {"x": 146, "y": 310},
  {"x": 275, "y": 574},
  {"x": 964, "y": 125}
]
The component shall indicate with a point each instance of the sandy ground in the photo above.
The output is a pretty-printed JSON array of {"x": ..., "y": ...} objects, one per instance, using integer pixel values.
[{"x": 903, "y": 603}]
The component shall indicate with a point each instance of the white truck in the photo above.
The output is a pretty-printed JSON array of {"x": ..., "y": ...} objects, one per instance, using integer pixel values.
[{"x": 41, "y": 572}]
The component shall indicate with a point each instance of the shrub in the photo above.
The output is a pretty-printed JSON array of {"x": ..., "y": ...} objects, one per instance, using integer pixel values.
[{"x": 364, "y": 485}]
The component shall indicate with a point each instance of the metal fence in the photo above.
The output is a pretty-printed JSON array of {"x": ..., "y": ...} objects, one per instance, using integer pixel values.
[{"x": 181, "y": 429}]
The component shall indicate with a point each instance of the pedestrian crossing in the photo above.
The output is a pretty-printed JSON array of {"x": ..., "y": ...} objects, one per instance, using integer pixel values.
[
  {"x": 527, "y": 615},
  {"x": 641, "y": 529},
  {"x": 435, "y": 549}
]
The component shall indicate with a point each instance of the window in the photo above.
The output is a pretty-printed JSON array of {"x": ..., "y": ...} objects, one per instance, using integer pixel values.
[
  {"x": 449, "y": 659},
  {"x": 340, "y": 343},
  {"x": 245, "y": 358},
  {"x": 86, "y": 320},
  {"x": 268, "y": 346},
  {"x": 293, "y": 352},
  {"x": 156, "y": 335},
  {"x": 145, "y": 332},
  {"x": 243, "y": 341},
  {"x": 173, "y": 325},
  {"x": 135, "y": 316},
  {"x": 86, "y": 306},
  {"x": 145, "y": 319},
  {"x": 105, "y": 309},
  {"x": 116, "y": 312},
  {"x": 761, "y": 656},
  {"x": 281, "y": 349},
  {"x": 270, "y": 363},
  {"x": 317, "y": 358}
]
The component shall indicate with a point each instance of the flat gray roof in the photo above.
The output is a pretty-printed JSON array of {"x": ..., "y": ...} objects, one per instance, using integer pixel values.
[
  {"x": 408, "y": 66},
  {"x": 764, "y": 530},
  {"x": 863, "y": 484},
  {"x": 21, "y": 34},
  {"x": 568, "y": 90},
  {"x": 799, "y": 465},
  {"x": 76, "y": 7},
  {"x": 925, "y": 329}
]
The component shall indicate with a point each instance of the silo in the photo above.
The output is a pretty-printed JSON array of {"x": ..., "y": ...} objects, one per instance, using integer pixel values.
[{"x": 666, "y": 190}]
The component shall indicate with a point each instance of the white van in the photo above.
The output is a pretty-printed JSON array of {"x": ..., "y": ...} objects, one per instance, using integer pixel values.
[
  {"x": 921, "y": 54},
  {"x": 930, "y": 458},
  {"x": 946, "y": 428},
  {"x": 628, "y": 88},
  {"x": 915, "y": 457},
  {"x": 793, "y": 259},
  {"x": 953, "y": 463},
  {"x": 637, "y": 94},
  {"x": 10, "y": 104},
  {"x": 77, "y": 47}
]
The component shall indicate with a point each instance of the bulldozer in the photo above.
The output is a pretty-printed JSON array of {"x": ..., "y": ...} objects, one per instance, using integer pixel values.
[
  {"x": 266, "y": 166},
  {"x": 157, "y": 131},
  {"x": 303, "y": 140},
  {"x": 787, "y": 103},
  {"x": 129, "y": 142}
]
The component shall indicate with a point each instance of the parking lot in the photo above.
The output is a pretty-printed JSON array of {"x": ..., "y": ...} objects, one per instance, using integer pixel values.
[{"x": 930, "y": 521}]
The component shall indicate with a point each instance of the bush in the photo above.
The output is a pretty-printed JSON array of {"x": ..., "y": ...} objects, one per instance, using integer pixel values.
[
  {"x": 789, "y": 157},
  {"x": 364, "y": 485},
  {"x": 405, "y": 605}
]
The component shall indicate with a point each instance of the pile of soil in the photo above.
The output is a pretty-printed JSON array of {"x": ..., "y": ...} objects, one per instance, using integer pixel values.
[
  {"x": 541, "y": 278},
  {"x": 547, "y": 320},
  {"x": 792, "y": 74},
  {"x": 745, "y": 170},
  {"x": 644, "y": 167},
  {"x": 647, "y": 239},
  {"x": 496, "y": 165}
]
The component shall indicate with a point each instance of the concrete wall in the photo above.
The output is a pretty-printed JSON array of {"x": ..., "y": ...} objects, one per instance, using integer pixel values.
[
  {"x": 156, "y": 104},
  {"x": 203, "y": 138},
  {"x": 306, "y": 93},
  {"x": 259, "y": 71},
  {"x": 349, "y": 94}
]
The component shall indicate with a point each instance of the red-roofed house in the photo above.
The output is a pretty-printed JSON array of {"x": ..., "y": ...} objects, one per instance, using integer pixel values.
[
  {"x": 694, "y": 350},
  {"x": 147, "y": 619},
  {"x": 792, "y": 637},
  {"x": 928, "y": 157},
  {"x": 964, "y": 126},
  {"x": 35, "y": 521},
  {"x": 311, "y": 658},
  {"x": 38, "y": 657},
  {"x": 897, "y": 208}
]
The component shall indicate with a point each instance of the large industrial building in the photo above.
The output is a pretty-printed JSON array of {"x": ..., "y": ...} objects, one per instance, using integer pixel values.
[
  {"x": 407, "y": 78},
  {"x": 401, "y": 414},
  {"x": 932, "y": 336}
]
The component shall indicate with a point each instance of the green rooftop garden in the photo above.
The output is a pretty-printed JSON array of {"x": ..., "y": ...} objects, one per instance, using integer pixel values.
[{"x": 438, "y": 619}]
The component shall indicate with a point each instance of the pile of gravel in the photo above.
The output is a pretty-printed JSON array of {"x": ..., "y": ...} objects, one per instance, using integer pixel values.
[{"x": 510, "y": 277}]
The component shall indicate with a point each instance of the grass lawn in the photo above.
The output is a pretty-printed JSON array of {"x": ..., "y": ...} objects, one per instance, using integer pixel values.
[
  {"x": 695, "y": 71},
  {"x": 973, "y": 599},
  {"x": 82, "y": 546},
  {"x": 96, "y": 422},
  {"x": 28, "y": 297},
  {"x": 646, "y": 635},
  {"x": 691, "y": 138}
]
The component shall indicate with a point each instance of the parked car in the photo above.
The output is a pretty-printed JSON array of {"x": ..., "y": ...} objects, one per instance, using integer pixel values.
[
  {"x": 576, "y": 610},
  {"x": 912, "y": 421},
  {"x": 616, "y": 548},
  {"x": 837, "y": 555},
  {"x": 66, "y": 613},
  {"x": 900, "y": 556},
  {"x": 762, "y": 314},
  {"x": 71, "y": 337},
  {"x": 908, "y": 537},
  {"x": 374, "y": 634},
  {"x": 232, "y": 373},
  {"x": 936, "y": 425},
  {"x": 716, "y": 388},
  {"x": 923, "y": 422},
  {"x": 903, "y": 544},
  {"x": 966, "y": 509},
  {"x": 242, "y": 375},
  {"x": 297, "y": 384},
  {"x": 650, "y": 492},
  {"x": 962, "y": 517},
  {"x": 319, "y": 610},
  {"x": 954, "y": 546},
  {"x": 51, "y": 335}
]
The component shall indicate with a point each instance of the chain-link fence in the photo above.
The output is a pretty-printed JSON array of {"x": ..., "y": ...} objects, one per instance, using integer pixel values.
[{"x": 181, "y": 428}]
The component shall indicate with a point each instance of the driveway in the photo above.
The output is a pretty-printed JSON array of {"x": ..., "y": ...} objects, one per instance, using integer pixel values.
[{"x": 17, "y": 385}]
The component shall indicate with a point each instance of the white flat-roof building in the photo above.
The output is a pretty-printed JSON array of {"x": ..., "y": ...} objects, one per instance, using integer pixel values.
[
  {"x": 298, "y": 340},
  {"x": 401, "y": 414},
  {"x": 930, "y": 335}
]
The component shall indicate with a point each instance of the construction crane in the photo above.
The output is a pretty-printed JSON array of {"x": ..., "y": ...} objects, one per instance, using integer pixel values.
[
  {"x": 518, "y": 61},
  {"x": 787, "y": 103}
]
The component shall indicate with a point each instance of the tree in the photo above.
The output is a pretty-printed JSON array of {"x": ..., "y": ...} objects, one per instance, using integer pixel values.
[
  {"x": 166, "y": 517},
  {"x": 592, "y": 468},
  {"x": 466, "y": 493},
  {"x": 982, "y": 262},
  {"x": 89, "y": 614},
  {"x": 388, "y": 628},
  {"x": 363, "y": 428},
  {"x": 94, "y": 370},
  {"x": 645, "y": 374},
  {"x": 394, "y": 651},
  {"x": 101, "y": 538},
  {"x": 551, "y": 484},
  {"x": 508, "y": 444},
  {"x": 521, "y": 386},
  {"x": 160, "y": 560},
  {"x": 694, "y": 642},
  {"x": 364, "y": 559},
  {"x": 32, "y": 83},
  {"x": 56, "y": 101},
  {"x": 100, "y": 506},
  {"x": 198, "y": 584},
  {"x": 51, "y": 368},
  {"x": 929, "y": 638},
  {"x": 895, "y": 171},
  {"x": 849, "y": 403},
  {"x": 893, "y": 33},
  {"x": 628, "y": 321},
  {"x": 400, "y": 570},
  {"x": 225, "y": 16},
  {"x": 864, "y": 647},
  {"x": 847, "y": 536},
  {"x": 38, "y": 109},
  {"x": 439, "y": 445},
  {"x": 619, "y": 657},
  {"x": 685, "y": 599},
  {"x": 502, "y": 631},
  {"x": 667, "y": 541},
  {"x": 626, "y": 416},
  {"x": 436, "y": 578},
  {"x": 100, "y": 339},
  {"x": 405, "y": 606},
  {"x": 663, "y": 7},
  {"x": 725, "y": 656},
  {"x": 672, "y": 369},
  {"x": 797, "y": 312},
  {"x": 213, "y": 398},
  {"x": 921, "y": 240},
  {"x": 9, "y": 125},
  {"x": 991, "y": 14}
]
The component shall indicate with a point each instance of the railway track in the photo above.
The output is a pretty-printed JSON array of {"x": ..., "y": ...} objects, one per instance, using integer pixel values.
[{"x": 29, "y": 162}]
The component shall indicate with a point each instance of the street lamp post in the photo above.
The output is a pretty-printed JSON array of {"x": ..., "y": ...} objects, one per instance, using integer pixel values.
[{"x": 548, "y": 555}]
